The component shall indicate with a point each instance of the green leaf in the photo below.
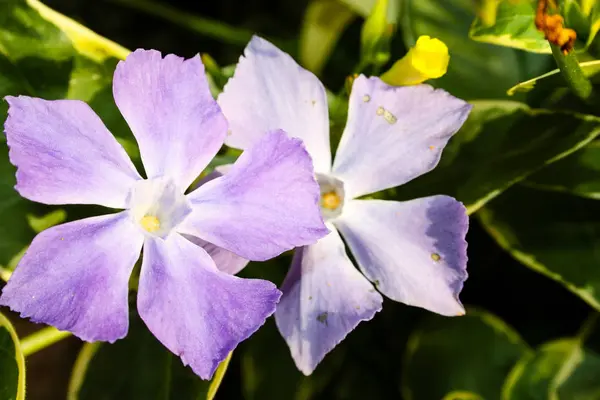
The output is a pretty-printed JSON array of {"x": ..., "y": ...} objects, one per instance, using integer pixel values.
[
  {"x": 553, "y": 79},
  {"x": 560, "y": 369},
  {"x": 137, "y": 367},
  {"x": 501, "y": 143},
  {"x": 473, "y": 353},
  {"x": 477, "y": 70},
  {"x": 44, "y": 222},
  {"x": 513, "y": 27},
  {"x": 364, "y": 7},
  {"x": 12, "y": 363},
  {"x": 578, "y": 173},
  {"x": 323, "y": 24},
  {"x": 533, "y": 376},
  {"x": 553, "y": 233},
  {"x": 462, "y": 395}
]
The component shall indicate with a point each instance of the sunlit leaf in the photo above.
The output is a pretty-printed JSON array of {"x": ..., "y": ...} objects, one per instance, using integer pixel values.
[
  {"x": 501, "y": 144},
  {"x": 473, "y": 353},
  {"x": 12, "y": 363},
  {"x": 513, "y": 27}
]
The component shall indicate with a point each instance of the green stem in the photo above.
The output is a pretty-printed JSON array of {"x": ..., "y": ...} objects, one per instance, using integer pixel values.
[
  {"x": 41, "y": 339},
  {"x": 572, "y": 73},
  {"x": 204, "y": 26}
]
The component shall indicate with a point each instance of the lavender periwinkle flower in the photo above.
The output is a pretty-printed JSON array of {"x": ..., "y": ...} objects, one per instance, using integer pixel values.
[
  {"x": 413, "y": 252},
  {"x": 75, "y": 276}
]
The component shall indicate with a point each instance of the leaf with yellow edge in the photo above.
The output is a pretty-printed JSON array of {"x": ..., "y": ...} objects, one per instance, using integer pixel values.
[
  {"x": 85, "y": 41},
  {"x": 12, "y": 363},
  {"x": 553, "y": 78},
  {"x": 513, "y": 26}
]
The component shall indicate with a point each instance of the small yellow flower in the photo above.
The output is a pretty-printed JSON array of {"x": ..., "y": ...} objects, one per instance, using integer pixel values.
[{"x": 428, "y": 59}]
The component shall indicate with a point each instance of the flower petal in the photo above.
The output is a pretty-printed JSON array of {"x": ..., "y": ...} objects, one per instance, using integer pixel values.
[
  {"x": 196, "y": 311},
  {"x": 394, "y": 134},
  {"x": 324, "y": 298},
  {"x": 225, "y": 260},
  {"x": 266, "y": 203},
  {"x": 414, "y": 251},
  {"x": 271, "y": 91},
  {"x": 75, "y": 277},
  {"x": 167, "y": 103},
  {"x": 65, "y": 155}
]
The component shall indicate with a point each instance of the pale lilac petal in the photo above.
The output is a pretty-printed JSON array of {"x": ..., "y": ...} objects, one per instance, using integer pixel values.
[
  {"x": 225, "y": 260},
  {"x": 266, "y": 203},
  {"x": 415, "y": 251},
  {"x": 75, "y": 277},
  {"x": 168, "y": 106},
  {"x": 271, "y": 91},
  {"x": 324, "y": 298},
  {"x": 65, "y": 155},
  {"x": 196, "y": 311},
  {"x": 394, "y": 134}
]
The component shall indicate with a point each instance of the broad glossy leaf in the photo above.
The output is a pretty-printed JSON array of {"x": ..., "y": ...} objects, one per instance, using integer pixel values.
[
  {"x": 137, "y": 367},
  {"x": 532, "y": 377},
  {"x": 553, "y": 233},
  {"x": 501, "y": 144},
  {"x": 473, "y": 353},
  {"x": 566, "y": 368},
  {"x": 12, "y": 363},
  {"x": 323, "y": 24},
  {"x": 513, "y": 27},
  {"x": 578, "y": 173},
  {"x": 477, "y": 70}
]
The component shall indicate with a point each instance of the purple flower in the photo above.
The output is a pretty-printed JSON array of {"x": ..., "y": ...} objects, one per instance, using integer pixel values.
[
  {"x": 75, "y": 276},
  {"x": 413, "y": 252}
]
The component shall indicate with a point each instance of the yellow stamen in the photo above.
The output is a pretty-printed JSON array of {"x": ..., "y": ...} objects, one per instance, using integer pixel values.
[
  {"x": 330, "y": 200},
  {"x": 150, "y": 223}
]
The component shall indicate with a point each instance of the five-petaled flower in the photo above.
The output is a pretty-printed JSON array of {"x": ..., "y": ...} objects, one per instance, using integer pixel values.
[
  {"x": 75, "y": 276},
  {"x": 413, "y": 251}
]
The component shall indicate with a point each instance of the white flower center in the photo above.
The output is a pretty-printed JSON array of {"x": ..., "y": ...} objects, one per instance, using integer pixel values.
[
  {"x": 158, "y": 206},
  {"x": 332, "y": 196}
]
